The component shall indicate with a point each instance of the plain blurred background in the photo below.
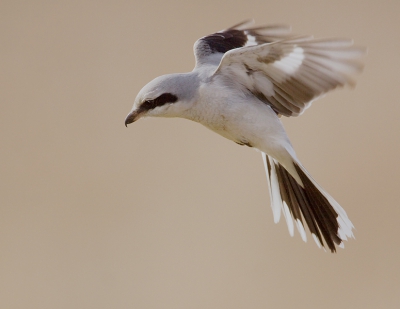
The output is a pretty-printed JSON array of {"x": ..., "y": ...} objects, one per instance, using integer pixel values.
[{"x": 166, "y": 214}]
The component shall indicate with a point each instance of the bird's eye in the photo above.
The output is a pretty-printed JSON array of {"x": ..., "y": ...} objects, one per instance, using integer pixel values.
[
  {"x": 163, "y": 99},
  {"x": 147, "y": 105}
]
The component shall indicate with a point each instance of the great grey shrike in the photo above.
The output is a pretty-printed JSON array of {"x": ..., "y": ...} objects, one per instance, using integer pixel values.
[{"x": 244, "y": 80}]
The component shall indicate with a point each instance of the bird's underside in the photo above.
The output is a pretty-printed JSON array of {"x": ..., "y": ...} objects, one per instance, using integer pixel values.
[{"x": 244, "y": 79}]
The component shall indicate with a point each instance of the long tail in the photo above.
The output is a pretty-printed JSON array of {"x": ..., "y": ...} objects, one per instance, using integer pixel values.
[{"x": 325, "y": 218}]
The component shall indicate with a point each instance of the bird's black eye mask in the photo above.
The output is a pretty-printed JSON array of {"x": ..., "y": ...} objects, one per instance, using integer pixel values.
[{"x": 163, "y": 99}]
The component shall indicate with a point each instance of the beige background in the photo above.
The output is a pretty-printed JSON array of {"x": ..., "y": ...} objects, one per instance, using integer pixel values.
[{"x": 166, "y": 214}]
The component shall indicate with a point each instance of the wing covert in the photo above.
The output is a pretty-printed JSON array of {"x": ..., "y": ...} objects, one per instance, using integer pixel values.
[{"x": 289, "y": 74}]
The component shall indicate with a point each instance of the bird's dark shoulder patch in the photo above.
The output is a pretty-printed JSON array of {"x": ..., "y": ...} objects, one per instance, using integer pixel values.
[{"x": 221, "y": 42}]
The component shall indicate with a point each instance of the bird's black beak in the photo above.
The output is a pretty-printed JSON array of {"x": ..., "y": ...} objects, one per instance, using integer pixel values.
[{"x": 132, "y": 117}]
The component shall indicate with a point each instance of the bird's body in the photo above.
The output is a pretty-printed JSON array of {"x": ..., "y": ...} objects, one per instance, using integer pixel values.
[
  {"x": 243, "y": 80},
  {"x": 241, "y": 117}
]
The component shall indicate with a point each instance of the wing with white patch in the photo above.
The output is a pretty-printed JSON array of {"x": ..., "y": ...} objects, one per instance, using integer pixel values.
[
  {"x": 290, "y": 74},
  {"x": 211, "y": 48}
]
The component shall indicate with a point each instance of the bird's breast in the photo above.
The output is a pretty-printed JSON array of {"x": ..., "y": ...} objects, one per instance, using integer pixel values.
[
  {"x": 226, "y": 116},
  {"x": 239, "y": 117}
]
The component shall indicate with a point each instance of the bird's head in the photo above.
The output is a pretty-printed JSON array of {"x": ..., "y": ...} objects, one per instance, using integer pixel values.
[{"x": 165, "y": 96}]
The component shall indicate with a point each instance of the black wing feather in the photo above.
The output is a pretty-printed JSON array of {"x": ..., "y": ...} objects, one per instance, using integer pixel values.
[
  {"x": 236, "y": 37},
  {"x": 221, "y": 42}
]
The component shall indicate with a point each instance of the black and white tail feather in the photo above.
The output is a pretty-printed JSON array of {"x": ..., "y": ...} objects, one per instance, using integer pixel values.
[{"x": 325, "y": 218}]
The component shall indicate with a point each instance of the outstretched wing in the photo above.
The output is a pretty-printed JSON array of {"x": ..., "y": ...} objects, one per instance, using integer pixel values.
[
  {"x": 289, "y": 74},
  {"x": 210, "y": 49}
]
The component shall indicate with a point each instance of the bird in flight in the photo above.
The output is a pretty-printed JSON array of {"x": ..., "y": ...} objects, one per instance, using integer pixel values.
[{"x": 244, "y": 80}]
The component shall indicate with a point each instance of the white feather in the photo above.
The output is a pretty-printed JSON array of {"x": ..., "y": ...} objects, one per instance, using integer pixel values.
[
  {"x": 302, "y": 232},
  {"x": 276, "y": 198},
  {"x": 290, "y": 63},
  {"x": 251, "y": 40},
  {"x": 316, "y": 240},
  {"x": 288, "y": 218},
  {"x": 263, "y": 84}
]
